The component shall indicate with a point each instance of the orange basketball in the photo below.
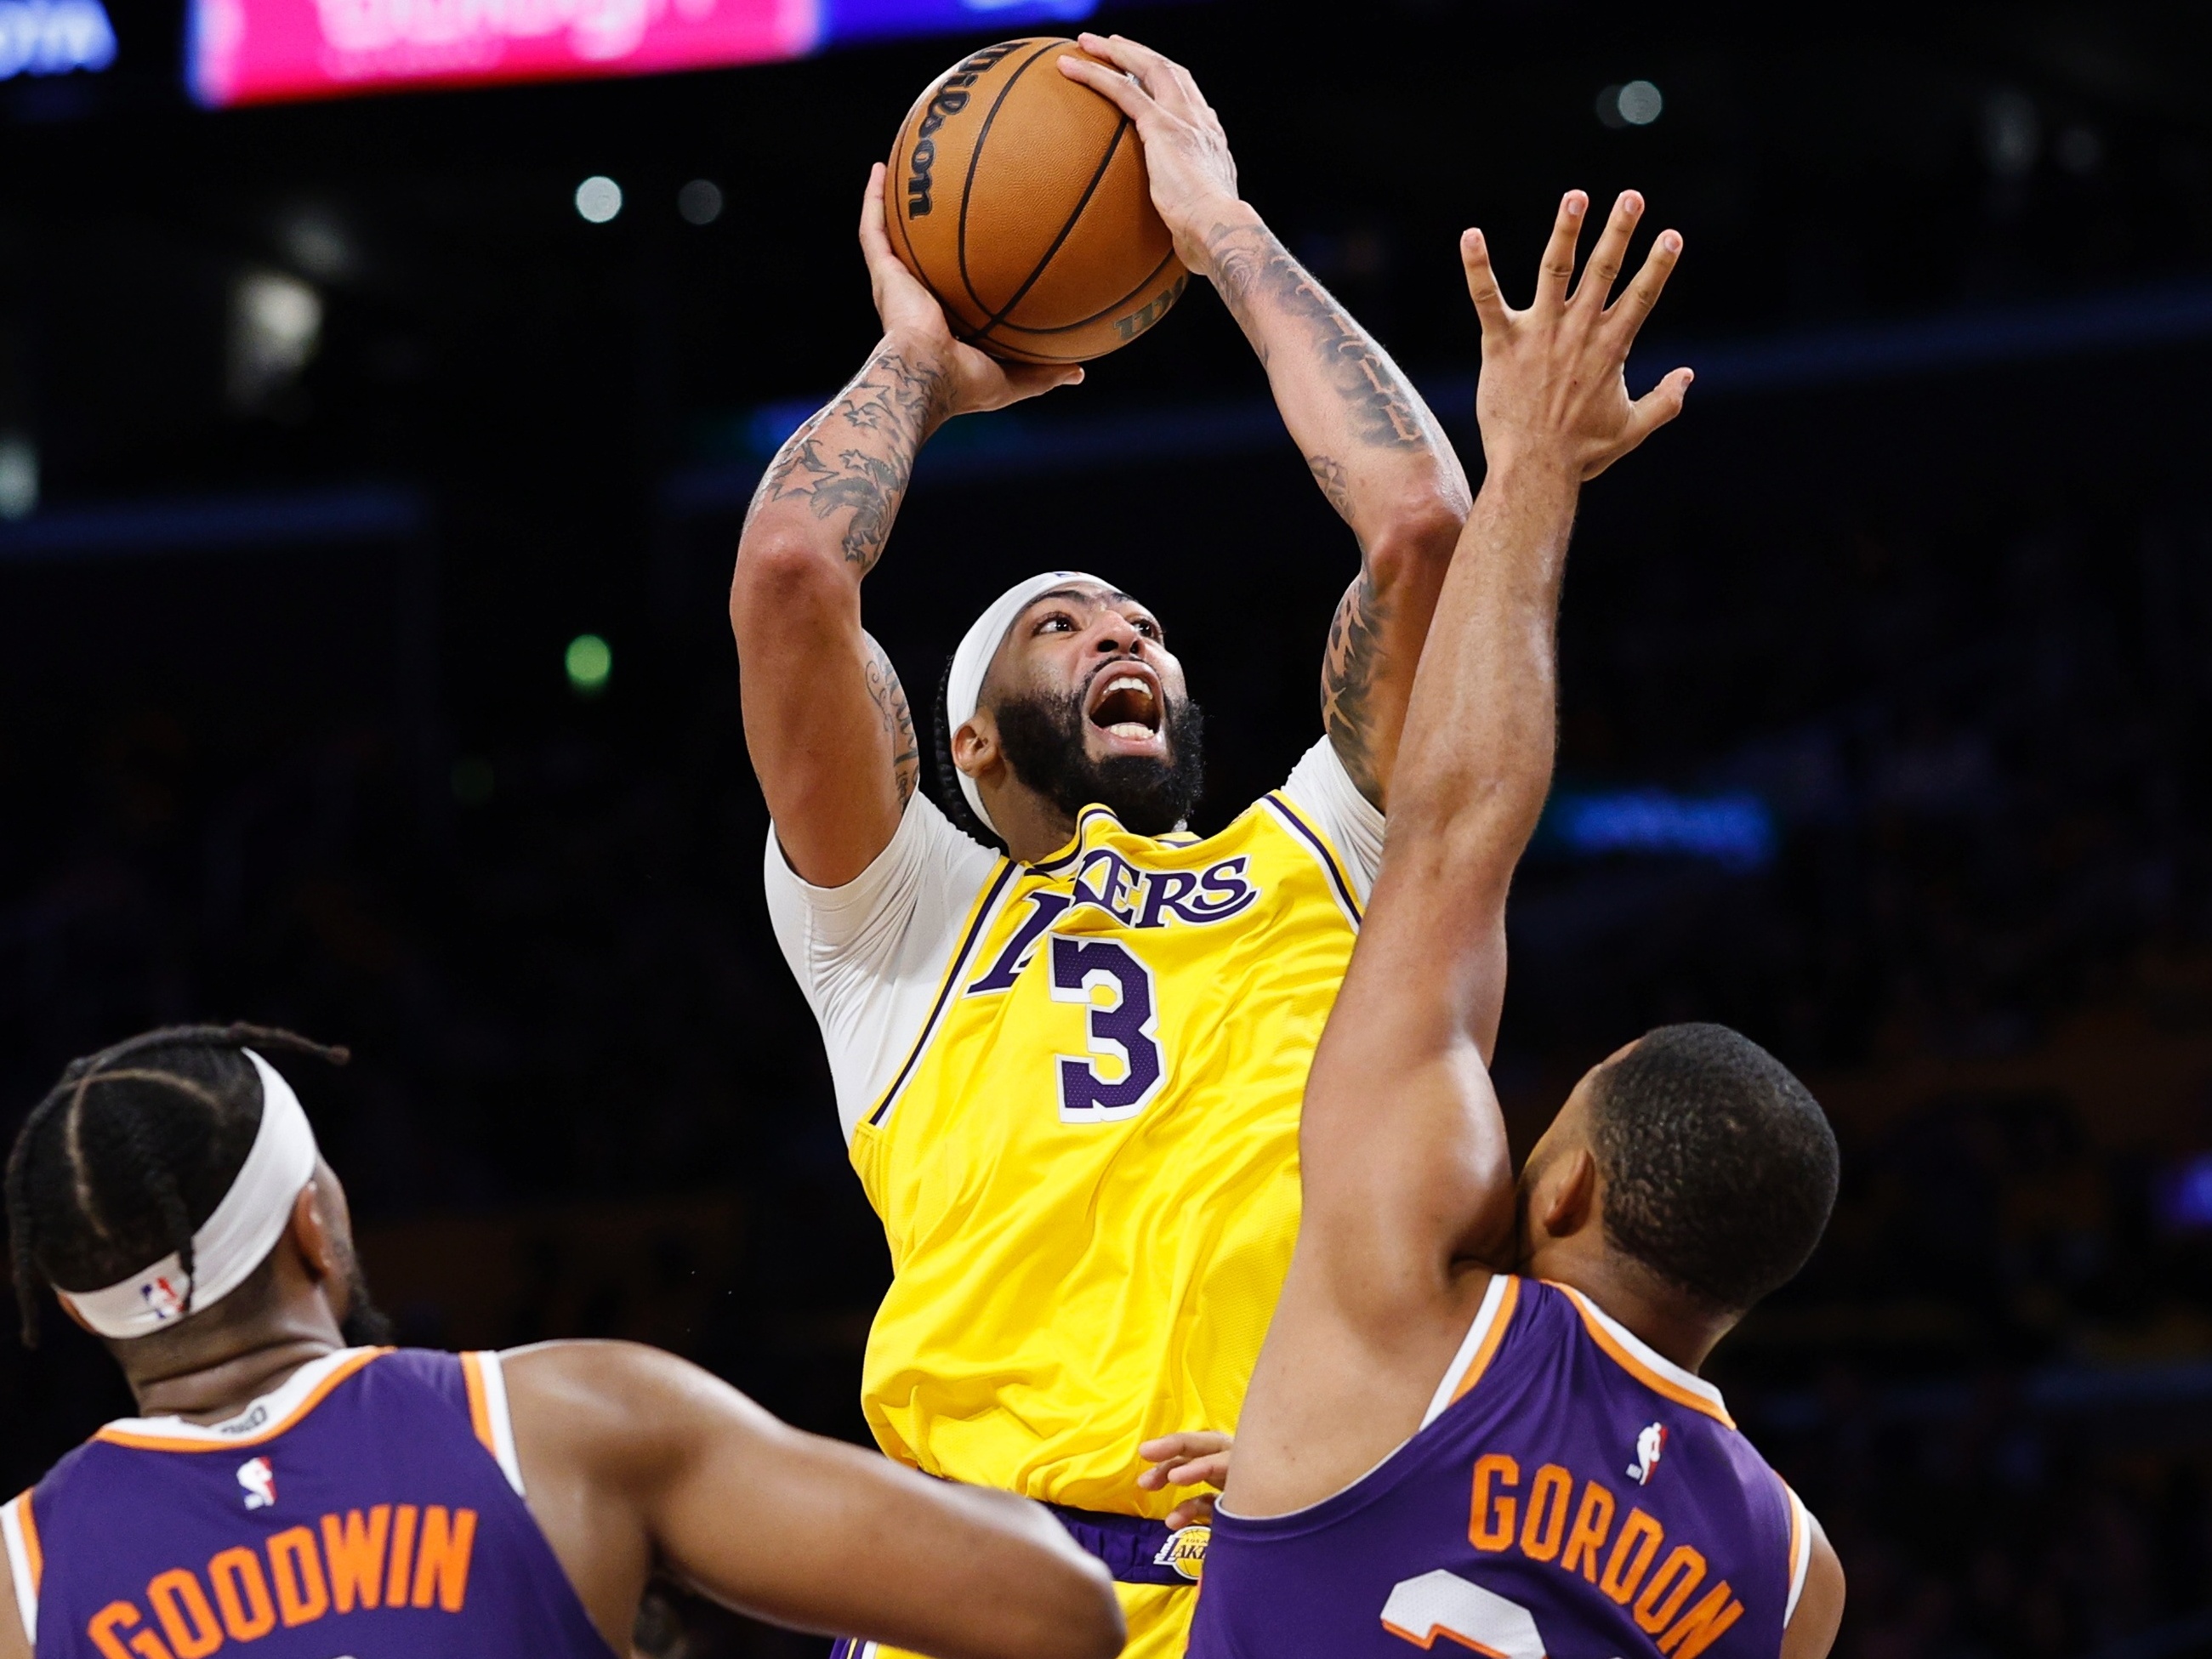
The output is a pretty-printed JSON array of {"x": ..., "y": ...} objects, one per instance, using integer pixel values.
[{"x": 1019, "y": 198}]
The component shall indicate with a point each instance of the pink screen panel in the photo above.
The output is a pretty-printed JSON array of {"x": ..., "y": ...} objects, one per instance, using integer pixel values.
[{"x": 248, "y": 52}]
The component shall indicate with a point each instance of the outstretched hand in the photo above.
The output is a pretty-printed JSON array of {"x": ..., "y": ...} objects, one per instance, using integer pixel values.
[
  {"x": 976, "y": 381},
  {"x": 1196, "y": 1459},
  {"x": 1552, "y": 384},
  {"x": 1186, "y": 152}
]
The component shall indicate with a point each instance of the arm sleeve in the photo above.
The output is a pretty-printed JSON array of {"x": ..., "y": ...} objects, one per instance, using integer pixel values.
[
  {"x": 1319, "y": 788},
  {"x": 868, "y": 955}
]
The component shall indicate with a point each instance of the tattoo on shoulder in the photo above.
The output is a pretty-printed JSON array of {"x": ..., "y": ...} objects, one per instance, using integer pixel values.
[
  {"x": 1249, "y": 264},
  {"x": 857, "y": 454},
  {"x": 889, "y": 697},
  {"x": 1348, "y": 672}
]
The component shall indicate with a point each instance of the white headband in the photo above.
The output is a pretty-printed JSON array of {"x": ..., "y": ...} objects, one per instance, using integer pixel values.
[
  {"x": 237, "y": 1237},
  {"x": 963, "y": 687}
]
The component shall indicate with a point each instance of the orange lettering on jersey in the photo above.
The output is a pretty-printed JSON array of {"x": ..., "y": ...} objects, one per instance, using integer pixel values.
[
  {"x": 1587, "y": 1536},
  {"x": 186, "y": 1618},
  {"x": 1702, "y": 1625},
  {"x": 242, "y": 1593},
  {"x": 1490, "y": 1526},
  {"x": 1675, "y": 1582},
  {"x": 403, "y": 1556},
  {"x": 357, "y": 1556},
  {"x": 298, "y": 1570},
  {"x": 442, "y": 1566},
  {"x": 1549, "y": 1495},
  {"x": 1631, "y": 1555},
  {"x": 121, "y": 1616}
]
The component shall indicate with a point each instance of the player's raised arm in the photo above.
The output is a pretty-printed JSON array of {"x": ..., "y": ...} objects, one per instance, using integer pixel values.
[
  {"x": 1374, "y": 447},
  {"x": 1406, "y": 1174},
  {"x": 634, "y": 1460},
  {"x": 826, "y": 719}
]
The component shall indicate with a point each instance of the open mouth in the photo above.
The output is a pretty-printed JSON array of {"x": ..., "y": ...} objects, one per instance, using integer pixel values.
[{"x": 1126, "y": 701}]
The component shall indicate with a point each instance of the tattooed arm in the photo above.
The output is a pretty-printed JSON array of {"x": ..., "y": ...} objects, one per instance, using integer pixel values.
[
  {"x": 1377, "y": 453},
  {"x": 827, "y": 722}
]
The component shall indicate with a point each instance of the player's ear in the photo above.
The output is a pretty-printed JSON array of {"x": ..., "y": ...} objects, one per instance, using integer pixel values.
[
  {"x": 976, "y": 744},
  {"x": 318, "y": 1226},
  {"x": 1568, "y": 1202}
]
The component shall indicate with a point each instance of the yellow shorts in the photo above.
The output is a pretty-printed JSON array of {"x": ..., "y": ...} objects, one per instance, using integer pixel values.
[{"x": 1159, "y": 1624}]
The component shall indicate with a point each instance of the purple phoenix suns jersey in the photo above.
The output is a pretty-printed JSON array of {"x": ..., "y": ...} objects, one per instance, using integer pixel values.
[
  {"x": 372, "y": 1506},
  {"x": 1569, "y": 1495}
]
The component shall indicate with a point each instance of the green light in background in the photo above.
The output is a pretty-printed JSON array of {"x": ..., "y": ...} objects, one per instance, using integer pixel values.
[{"x": 589, "y": 662}]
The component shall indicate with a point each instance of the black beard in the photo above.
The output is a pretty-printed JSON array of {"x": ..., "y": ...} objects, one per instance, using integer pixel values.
[
  {"x": 365, "y": 1325},
  {"x": 1043, "y": 736}
]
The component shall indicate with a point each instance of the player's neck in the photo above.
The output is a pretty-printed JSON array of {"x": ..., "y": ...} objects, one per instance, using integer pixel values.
[
  {"x": 1033, "y": 828},
  {"x": 223, "y": 1372},
  {"x": 1656, "y": 1315}
]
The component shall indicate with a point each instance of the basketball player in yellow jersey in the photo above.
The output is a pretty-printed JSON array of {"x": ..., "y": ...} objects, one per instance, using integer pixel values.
[{"x": 1069, "y": 1039}]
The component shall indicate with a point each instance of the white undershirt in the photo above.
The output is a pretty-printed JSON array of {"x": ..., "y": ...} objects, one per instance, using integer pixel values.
[{"x": 870, "y": 955}]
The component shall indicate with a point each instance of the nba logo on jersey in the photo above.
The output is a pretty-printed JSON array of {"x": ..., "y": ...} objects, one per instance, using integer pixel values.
[
  {"x": 258, "y": 1476},
  {"x": 162, "y": 1297},
  {"x": 1650, "y": 1446}
]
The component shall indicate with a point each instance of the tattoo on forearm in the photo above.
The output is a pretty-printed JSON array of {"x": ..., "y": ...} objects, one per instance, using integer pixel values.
[
  {"x": 882, "y": 420},
  {"x": 898, "y": 721},
  {"x": 1349, "y": 670},
  {"x": 1251, "y": 264}
]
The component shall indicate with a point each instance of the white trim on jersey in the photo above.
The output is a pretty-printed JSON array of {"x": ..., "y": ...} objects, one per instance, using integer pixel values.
[
  {"x": 19, "y": 1567},
  {"x": 1801, "y": 1556},
  {"x": 1645, "y": 1354},
  {"x": 1485, "y": 1317},
  {"x": 502, "y": 1425},
  {"x": 259, "y": 1418}
]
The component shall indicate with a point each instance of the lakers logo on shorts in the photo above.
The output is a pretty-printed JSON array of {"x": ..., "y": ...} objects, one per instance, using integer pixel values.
[{"x": 1185, "y": 1552}]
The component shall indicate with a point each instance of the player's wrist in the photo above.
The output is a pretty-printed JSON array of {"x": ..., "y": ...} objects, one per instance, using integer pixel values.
[{"x": 1212, "y": 228}]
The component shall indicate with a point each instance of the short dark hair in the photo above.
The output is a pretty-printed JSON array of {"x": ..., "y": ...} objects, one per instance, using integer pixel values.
[
  {"x": 1720, "y": 1167},
  {"x": 950, "y": 798},
  {"x": 127, "y": 1157}
]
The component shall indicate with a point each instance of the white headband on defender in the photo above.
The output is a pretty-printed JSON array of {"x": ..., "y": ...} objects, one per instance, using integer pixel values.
[
  {"x": 963, "y": 687},
  {"x": 236, "y": 1239}
]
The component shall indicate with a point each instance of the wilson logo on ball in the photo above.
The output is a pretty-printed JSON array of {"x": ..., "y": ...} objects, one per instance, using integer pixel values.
[{"x": 951, "y": 98}]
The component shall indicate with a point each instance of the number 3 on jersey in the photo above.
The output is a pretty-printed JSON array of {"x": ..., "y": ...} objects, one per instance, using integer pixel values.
[{"x": 1123, "y": 1034}]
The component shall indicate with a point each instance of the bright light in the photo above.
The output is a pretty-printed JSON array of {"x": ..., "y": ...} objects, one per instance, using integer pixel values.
[
  {"x": 700, "y": 202},
  {"x": 276, "y": 325},
  {"x": 598, "y": 199},
  {"x": 589, "y": 663},
  {"x": 1639, "y": 103},
  {"x": 53, "y": 36},
  {"x": 18, "y": 477}
]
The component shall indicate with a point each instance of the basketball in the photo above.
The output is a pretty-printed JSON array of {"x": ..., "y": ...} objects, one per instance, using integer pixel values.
[{"x": 1019, "y": 198}]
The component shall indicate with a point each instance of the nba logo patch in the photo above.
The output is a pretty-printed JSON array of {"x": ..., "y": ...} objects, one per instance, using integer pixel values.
[
  {"x": 1650, "y": 1447},
  {"x": 1185, "y": 1552},
  {"x": 163, "y": 1298},
  {"x": 258, "y": 1476}
]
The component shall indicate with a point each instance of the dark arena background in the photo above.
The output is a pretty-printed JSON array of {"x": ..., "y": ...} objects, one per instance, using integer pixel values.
[{"x": 367, "y": 501}]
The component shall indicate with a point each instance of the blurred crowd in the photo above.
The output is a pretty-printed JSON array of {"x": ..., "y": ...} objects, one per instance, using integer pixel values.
[{"x": 1981, "y": 737}]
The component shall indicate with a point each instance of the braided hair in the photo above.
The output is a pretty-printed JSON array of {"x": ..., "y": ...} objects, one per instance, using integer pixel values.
[
  {"x": 128, "y": 1155},
  {"x": 950, "y": 795}
]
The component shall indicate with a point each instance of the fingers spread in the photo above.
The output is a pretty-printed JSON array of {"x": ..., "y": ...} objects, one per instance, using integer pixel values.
[
  {"x": 1558, "y": 266},
  {"x": 1482, "y": 283},
  {"x": 1650, "y": 282},
  {"x": 1611, "y": 252}
]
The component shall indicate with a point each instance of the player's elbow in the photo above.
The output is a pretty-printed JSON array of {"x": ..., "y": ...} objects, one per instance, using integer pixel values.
[
  {"x": 1414, "y": 537},
  {"x": 785, "y": 576}
]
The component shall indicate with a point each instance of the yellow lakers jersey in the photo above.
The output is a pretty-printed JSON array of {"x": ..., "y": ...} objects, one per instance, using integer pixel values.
[{"x": 1087, "y": 1166}]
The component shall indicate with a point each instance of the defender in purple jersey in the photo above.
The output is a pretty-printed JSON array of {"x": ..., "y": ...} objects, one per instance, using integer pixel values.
[
  {"x": 293, "y": 1489},
  {"x": 1478, "y": 1419}
]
